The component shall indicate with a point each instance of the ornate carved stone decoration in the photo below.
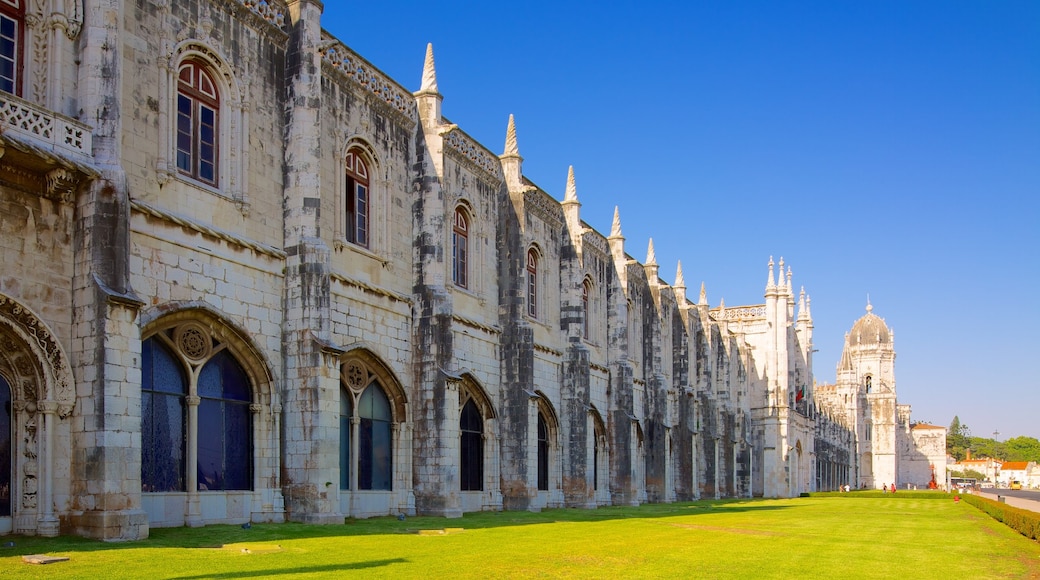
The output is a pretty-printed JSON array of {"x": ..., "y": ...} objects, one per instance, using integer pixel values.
[
  {"x": 60, "y": 385},
  {"x": 355, "y": 375},
  {"x": 194, "y": 342},
  {"x": 355, "y": 68}
]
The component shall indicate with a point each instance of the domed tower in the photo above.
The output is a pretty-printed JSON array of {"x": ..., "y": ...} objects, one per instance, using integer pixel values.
[{"x": 866, "y": 375}]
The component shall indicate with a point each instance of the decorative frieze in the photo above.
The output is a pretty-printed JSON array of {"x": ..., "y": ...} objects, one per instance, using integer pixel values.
[
  {"x": 545, "y": 207},
  {"x": 274, "y": 14},
  {"x": 458, "y": 141},
  {"x": 340, "y": 58},
  {"x": 738, "y": 313}
]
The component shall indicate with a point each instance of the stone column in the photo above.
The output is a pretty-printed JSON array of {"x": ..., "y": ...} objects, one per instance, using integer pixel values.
[
  {"x": 310, "y": 388},
  {"x": 193, "y": 515}
]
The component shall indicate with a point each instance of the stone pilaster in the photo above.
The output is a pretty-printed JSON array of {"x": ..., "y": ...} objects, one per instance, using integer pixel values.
[
  {"x": 106, "y": 458},
  {"x": 310, "y": 389}
]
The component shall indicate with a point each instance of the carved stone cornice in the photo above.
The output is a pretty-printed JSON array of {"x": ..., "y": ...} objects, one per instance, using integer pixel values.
[
  {"x": 542, "y": 205},
  {"x": 350, "y": 66},
  {"x": 462, "y": 146}
]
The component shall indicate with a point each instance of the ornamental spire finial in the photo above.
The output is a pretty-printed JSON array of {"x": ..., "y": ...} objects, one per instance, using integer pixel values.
[
  {"x": 680, "y": 282},
  {"x": 511, "y": 147},
  {"x": 429, "y": 73},
  {"x": 651, "y": 255},
  {"x": 572, "y": 191},
  {"x": 615, "y": 226}
]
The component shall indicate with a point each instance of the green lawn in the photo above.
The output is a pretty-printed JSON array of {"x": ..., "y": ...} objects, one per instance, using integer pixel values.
[{"x": 822, "y": 537}]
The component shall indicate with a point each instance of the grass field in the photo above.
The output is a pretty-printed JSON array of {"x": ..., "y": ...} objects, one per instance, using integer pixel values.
[{"x": 822, "y": 537}]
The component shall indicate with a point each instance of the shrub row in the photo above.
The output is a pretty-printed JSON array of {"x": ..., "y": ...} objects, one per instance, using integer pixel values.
[{"x": 1022, "y": 521}]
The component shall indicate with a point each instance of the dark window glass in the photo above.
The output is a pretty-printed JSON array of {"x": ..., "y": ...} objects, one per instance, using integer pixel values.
[
  {"x": 374, "y": 441},
  {"x": 10, "y": 47},
  {"x": 345, "y": 413},
  {"x": 357, "y": 227},
  {"x": 532, "y": 284},
  {"x": 184, "y": 133},
  {"x": 225, "y": 426},
  {"x": 5, "y": 447},
  {"x": 472, "y": 448},
  {"x": 460, "y": 250},
  {"x": 543, "y": 454},
  {"x": 197, "y": 112},
  {"x": 163, "y": 385}
]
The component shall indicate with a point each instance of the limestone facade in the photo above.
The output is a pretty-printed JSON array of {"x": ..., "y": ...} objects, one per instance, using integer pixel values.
[
  {"x": 249, "y": 277},
  {"x": 886, "y": 446}
]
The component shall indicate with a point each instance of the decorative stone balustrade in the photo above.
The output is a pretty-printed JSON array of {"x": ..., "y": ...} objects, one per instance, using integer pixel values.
[{"x": 46, "y": 129}]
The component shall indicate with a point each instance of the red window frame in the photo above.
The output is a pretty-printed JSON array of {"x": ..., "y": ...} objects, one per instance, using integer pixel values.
[
  {"x": 460, "y": 249},
  {"x": 358, "y": 200},
  {"x": 198, "y": 123},
  {"x": 12, "y": 46},
  {"x": 532, "y": 283}
]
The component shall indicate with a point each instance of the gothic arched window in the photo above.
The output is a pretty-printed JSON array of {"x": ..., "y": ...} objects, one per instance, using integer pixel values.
[
  {"x": 374, "y": 439},
  {"x": 532, "y": 283},
  {"x": 12, "y": 31},
  {"x": 358, "y": 201},
  {"x": 221, "y": 434},
  {"x": 543, "y": 453},
  {"x": 198, "y": 105},
  {"x": 471, "y": 445},
  {"x": 163, "y": 388},
  {"x": 366, "y": 433},
  {"x": 460, "y": 249},
  {"x": 225, "y": 425},
  {"x": 586, "y": 291}
]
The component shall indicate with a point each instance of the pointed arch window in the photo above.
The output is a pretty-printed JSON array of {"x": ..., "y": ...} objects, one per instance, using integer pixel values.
[
  {"x": 460, "y": 249},
  {"x": 12, "y": 33},
  {"x": 867, "y": 383},
  {"x": 366, "y": 430},
  {"x": 586, "y": 292},
  {"x": 471, "y": 464},
  {"x": 543, "y": 453},
  {"x": 358, "y": 200},
  {"x": 6, "y": 425},
  {"x": 184, "y": 368},
  {"x": 198, "y": 107},
  {"x": 532, "y": 283}
]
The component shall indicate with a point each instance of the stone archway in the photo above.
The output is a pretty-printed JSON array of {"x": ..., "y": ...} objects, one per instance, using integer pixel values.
[{"x": 36, "y": 369}]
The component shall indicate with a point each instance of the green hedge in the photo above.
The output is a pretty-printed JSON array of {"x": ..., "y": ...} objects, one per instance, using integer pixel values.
[{"x": 1023, "y": 521}]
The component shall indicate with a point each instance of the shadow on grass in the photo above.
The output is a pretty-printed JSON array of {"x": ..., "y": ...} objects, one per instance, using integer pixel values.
[
  {"x": 216, "y": 536},
  {"x": 299, "y": 570}
]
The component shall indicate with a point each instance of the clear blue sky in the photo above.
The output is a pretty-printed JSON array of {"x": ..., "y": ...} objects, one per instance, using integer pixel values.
[{"x": 882, "y": 148}]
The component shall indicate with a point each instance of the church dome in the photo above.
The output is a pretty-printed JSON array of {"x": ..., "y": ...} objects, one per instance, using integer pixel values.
[{"x": 869, "y": 330}]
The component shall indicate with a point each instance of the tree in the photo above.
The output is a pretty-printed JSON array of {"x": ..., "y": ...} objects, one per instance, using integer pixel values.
[
  {"x": 1022, "y": 449},
  {"x": 958, "y": 439}
]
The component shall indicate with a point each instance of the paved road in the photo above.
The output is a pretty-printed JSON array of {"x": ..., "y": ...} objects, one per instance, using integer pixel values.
[{"x": 1020, "y": 498}]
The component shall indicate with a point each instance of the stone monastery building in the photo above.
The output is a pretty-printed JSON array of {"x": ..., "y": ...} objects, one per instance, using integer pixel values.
[{"x": 248, "y": 277}]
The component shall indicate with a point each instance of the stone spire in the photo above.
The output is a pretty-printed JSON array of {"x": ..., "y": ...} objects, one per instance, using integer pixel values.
[
  {"x": 680, "y": 284},
  {"x": 572, "y": 191},
  {"x": 615, "y": 226},
  {"x": 511, "y": 147},
  {"x": 512, "y": 163},
  {"x": 703, "y": 300},
  {"x": 780, "y": 277},
  {"x": 789, "y": 291},
  {"x": 651, "y": 264},
  {"x": 429, "y": 73},
  {"x": 808, "y": 306},
  {"x": 770, "y": 285}
]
